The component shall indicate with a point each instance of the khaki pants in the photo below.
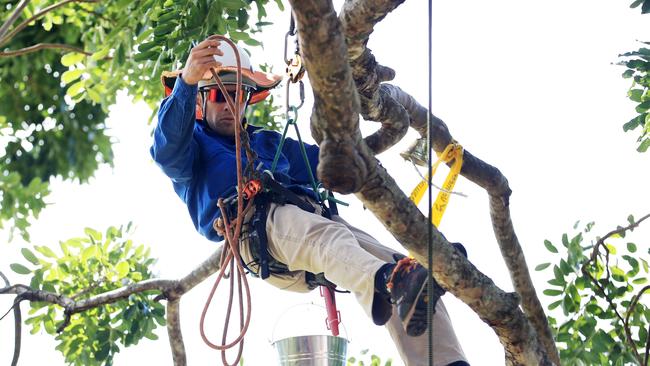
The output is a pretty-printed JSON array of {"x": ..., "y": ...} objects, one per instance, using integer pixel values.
[{"x": 349, "y": 258}]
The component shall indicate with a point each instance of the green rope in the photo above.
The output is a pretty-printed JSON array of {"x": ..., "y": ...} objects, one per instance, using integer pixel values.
[
  {"x": 303, "y": 151},
  {"x": 279, "y": 150},
  {"x": 324, "y": 196}
]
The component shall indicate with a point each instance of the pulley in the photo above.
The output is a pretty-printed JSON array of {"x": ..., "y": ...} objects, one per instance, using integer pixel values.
[{"x": 295, "y": 68}]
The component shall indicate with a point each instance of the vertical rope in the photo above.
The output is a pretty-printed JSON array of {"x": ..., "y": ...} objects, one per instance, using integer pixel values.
[{"x": 430, "y": 160}]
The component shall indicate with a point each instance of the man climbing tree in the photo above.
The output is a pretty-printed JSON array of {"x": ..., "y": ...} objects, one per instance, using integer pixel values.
[{"x": 291, "y": 239}]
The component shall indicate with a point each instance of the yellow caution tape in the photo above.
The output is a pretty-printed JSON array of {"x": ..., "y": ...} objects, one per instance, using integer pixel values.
[{"x": 453, "y": 151}]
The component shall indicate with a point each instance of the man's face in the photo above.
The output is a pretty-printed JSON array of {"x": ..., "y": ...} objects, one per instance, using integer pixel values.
[{"x": 217, "y": 113}]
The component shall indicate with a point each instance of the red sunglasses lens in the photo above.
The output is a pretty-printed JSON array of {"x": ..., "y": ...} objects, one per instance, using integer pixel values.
[{"x": 215, "y": 96}]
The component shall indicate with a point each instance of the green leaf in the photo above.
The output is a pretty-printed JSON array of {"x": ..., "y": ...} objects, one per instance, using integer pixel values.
[
  {"x": 252, "y": 42},
  {"x": 542, "y": 266},
  {"x": 239, "y": 36},
  {"x": 122, "y": 269},
  {"x": 94, "y": 95},
  {"x": 46, "y": 251},
  {"x": 93, "y": 234},
  {"x": 148, "y": 55},
  {"x": 88, "y": 253},
  {"x": 611, "y": 248},
  {"x": 29, "y": 256},
  {"x": 558, "y": 273},
  {"x": 632, "y": 124},
  {"x": 643, "y": 107},
  {"x": 233, "y": 4},
  {"x": 635, "y": 95},
  {"x": 557, "y": 282},
  {"x": 72, "y": 58},
  {"x": 102, "y": 354},
  {"x": 636, "y": 3},
  {"x": 552, "y": 292},
  {"x": 644, "y": 263},
  {"x": 100, "y": 54},
  {"x": 631, "y": 247},
  {"x": 564, "y": 266},
  {"x": 71, "y": 75},
  {"x": 643, "y": 147},
  {"x": 550, "y": 246},
  {"x": 554, "y": 304},
  {"x": 144, "y": 47},
  {"x": 20, "y": 269},
  {"x": 151, "y": 336},
  {"x": 640, "y": 280},
  {"x": 76, "y": 88},
  {"x": 628, "y": 74}
]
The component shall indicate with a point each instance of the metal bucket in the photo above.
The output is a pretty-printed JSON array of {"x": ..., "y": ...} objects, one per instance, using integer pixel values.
[{"x": 312, "y": 350}]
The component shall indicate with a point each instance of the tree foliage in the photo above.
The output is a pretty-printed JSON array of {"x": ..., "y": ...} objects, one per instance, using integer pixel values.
[
  {"x": 598, "y": 284},
  {"x": 86, "y": 266},
  {"x": 637, "y": 65},
  {"x": 61, "y": 66}
]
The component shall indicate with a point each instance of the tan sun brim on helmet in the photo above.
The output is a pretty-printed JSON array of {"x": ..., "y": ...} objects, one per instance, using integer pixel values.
[{"x": 260, "y": 82}]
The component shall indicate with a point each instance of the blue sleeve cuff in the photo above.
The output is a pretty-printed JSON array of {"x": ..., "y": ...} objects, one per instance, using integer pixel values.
[{"x": 183, "y": 91}]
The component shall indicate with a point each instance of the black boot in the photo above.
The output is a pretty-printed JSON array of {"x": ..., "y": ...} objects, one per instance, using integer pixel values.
[{"x": 409, "y": 292}]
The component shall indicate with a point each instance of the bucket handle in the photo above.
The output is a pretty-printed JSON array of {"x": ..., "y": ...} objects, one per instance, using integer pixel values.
[{"x": 284, "y": 313}]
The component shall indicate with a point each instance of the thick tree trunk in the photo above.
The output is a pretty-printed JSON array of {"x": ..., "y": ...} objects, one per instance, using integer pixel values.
[{"x": 347, "y": 165}]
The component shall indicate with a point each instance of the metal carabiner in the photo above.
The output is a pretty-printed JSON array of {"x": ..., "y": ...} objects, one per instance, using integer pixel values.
[{"x": 286, "y": 43}]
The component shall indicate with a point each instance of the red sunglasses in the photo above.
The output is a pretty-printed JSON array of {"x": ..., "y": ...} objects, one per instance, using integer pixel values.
[{"x": 215, "y": 95}]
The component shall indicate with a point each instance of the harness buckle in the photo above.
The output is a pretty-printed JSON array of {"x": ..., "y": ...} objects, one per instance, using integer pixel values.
[{"x": 251, "y": 188}]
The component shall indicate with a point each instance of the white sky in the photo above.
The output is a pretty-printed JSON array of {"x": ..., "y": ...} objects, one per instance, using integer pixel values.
[{"x": 526, "y": 86}]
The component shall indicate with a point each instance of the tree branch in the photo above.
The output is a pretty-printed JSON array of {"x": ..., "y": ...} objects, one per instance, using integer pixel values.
[
  {"x": 4, "y": 278},
  {"x": 358, "y": 19},
  {"x": 174, "y": 332},
  {"x": 620, "y": 230},
  {"x": 13, "y": 17},
  {"x": 492, "y": 180},
  {"x": 17, "y": 333},
  {"x": 4, "y": 39},
  {"x": 42, "y": 46},
  {"x": 633, "y": 304},
  {"x": 17, "y": 322},
  {"x": 335, "y": 122},
  {"x": 593, "y": 258},
  {"x": 173, "y": 289}
]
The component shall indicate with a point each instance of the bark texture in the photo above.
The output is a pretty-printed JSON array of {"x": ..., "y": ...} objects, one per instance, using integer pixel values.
[{"x": 348, "y": 165}]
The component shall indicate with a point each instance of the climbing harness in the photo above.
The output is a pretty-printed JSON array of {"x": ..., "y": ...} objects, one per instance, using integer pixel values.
[{"x": 452, "y": 153}]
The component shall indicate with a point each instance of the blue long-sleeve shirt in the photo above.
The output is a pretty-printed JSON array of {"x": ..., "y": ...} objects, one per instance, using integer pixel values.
[{"x": 202, "y": 164}]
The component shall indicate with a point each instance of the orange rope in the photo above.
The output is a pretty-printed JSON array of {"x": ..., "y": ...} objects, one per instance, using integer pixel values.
[{"x": 232, "y": 260}]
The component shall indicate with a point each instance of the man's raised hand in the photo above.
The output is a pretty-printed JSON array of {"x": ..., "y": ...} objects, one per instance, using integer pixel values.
[{"x": 201, "y": 59}]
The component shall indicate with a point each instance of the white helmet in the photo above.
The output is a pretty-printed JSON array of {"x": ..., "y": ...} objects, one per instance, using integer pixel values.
[{"x": 256, "y": 81}]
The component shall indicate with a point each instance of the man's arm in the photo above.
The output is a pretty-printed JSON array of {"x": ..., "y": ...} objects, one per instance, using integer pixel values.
[
  {"x": 297, "y": 167},
  {"x": 173, "y": 148}
]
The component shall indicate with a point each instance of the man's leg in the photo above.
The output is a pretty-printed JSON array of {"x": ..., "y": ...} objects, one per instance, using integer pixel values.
[
  {"x": 309, "y": 242},
  {"x": 414, "y": 350}
]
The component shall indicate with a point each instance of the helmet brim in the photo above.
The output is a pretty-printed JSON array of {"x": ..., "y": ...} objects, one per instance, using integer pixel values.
[{"x": 257, "y": 80}]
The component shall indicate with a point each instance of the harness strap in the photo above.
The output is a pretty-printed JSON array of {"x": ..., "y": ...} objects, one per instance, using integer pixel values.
[
  {"x": 258, "y": 234},
  {"x": 281, "y": 194},
  {"x": 258, "y": 241}
]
